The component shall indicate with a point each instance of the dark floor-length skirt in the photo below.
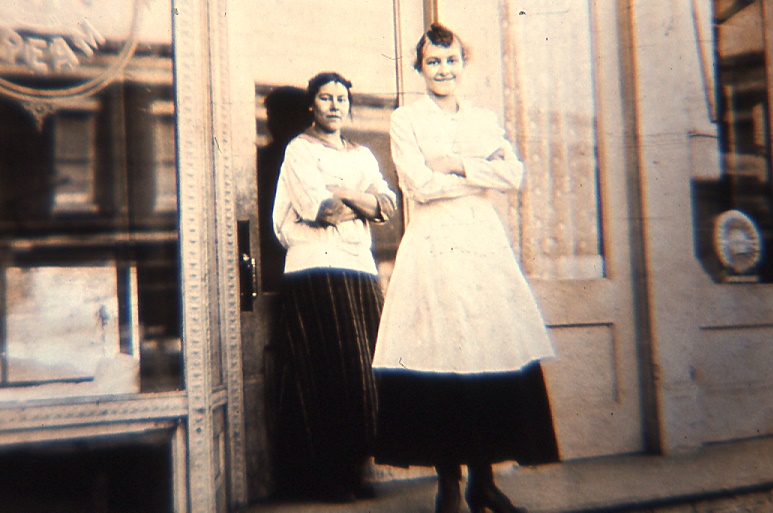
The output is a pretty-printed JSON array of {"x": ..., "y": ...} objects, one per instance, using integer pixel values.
[
  {"x": 429, "y": 418},
  {"x": 326, "y": 399}
]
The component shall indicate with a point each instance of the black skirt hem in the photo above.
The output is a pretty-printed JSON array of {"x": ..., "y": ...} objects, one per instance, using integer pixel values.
[{"x": 426, "y": 419}]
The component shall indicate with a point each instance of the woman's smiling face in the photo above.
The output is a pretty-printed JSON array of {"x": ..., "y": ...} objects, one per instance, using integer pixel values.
[
  {"x": 442, "y": 67},
  {"x": 331, "y": 106}
]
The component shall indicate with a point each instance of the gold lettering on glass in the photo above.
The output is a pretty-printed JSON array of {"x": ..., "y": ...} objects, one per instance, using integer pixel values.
[{"x": 79, "y": 43}]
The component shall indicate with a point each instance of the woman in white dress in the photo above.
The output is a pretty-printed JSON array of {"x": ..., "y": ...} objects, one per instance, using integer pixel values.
[
  {"x": 461, "y": 337},
  {"x": 329, "y": 191}
]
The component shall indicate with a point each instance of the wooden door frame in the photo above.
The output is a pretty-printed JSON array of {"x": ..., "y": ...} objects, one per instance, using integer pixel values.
[
  {"x": 767, "y": 31},
  {"x": 208, "y": 249}
]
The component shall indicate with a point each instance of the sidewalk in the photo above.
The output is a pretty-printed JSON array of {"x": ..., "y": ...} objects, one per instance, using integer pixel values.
[{"x": 727, "y": 478}]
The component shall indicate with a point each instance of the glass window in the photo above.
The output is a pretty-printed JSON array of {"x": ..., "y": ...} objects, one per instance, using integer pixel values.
[
  {"x": 734, "y": 213},
  {"x": 165, "y": 199},
  {"x": 74, "y": 162},
  {"x": 89, "y": 254}
]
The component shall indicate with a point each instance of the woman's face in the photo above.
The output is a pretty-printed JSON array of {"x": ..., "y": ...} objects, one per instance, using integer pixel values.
[
  {"x": 331, "y": 106},
  {"x": 442, "y": 68}
]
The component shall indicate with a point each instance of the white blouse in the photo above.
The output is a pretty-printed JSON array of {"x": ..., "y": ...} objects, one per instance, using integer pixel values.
[
  {"x": 421, "y": 131},
  {"x": 457, "y": 300},
  {"x": 310, "y": 166}
]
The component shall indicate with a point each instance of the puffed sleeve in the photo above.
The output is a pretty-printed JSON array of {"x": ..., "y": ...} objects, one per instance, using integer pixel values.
[
  {"x": 501, "y": 174},
  {"x": 378, "y": 187},
  {"x": 417, "y": 180},
  {"x": 301, "y": 179}
]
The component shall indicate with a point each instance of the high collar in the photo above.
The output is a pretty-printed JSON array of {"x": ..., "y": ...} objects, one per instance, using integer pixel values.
[
  {"x": 431, "y": 106},
  {"x": 312, "y": 136}
]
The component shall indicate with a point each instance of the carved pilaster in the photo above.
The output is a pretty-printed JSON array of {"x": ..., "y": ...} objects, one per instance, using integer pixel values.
[
  {"x": 230, "y": 335},
  {"x": 40, "y": 102},
  {"x": 550, "y": 114},
  {"x": 195, "y": 190}
]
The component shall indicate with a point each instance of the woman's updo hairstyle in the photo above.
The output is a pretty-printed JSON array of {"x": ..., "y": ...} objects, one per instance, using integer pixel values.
[
  {"x": 438, "y": 35},
  {"x": 317, "y": 81}
]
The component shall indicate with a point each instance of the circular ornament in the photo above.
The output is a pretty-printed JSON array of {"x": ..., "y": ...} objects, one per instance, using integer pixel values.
[
  {"x": 737, "y": 241},
  {"x": 55, "y": 38}
]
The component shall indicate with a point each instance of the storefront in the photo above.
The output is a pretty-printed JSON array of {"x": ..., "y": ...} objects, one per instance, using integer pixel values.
[
  {"x": 137, "y": 277},
  {"x": 644, "y": 218},
  {"x": 119, "y": 285}
]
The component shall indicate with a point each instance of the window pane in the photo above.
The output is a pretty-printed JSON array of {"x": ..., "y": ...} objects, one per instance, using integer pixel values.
[
  {"x": 89, "y": 255},
  {"x": 734, "y": 212}
]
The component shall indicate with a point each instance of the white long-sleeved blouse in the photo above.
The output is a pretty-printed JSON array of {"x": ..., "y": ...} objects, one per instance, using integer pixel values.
[
  {"x": 457, "y": 300},
  {"x": 422, "y": 131},
  {"x": 309, "y": 168}
]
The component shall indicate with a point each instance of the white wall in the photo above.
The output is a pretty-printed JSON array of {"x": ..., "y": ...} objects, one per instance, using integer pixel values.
[
  {"x": 295, "y": 39},
  {"x": 478, "y": 26}
]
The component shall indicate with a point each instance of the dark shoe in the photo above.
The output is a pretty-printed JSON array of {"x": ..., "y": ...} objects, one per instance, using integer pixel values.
[
  {"x": 336, "y": 495},
  {"x": 364, "y": 491},
  {"x": 358, "y": 484},
  {"x": 446, "y": 501},
  {"x": 331, "y": 490},
  {"x": 482, "y": 493},
  {"x": 480, "y": 498},
  {"x": 448, "y": 495}
]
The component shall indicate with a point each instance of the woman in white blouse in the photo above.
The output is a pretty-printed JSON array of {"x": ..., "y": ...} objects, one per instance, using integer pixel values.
[
  {"x": 329, "y": 191},
  {"x": 458, "y": 350}
]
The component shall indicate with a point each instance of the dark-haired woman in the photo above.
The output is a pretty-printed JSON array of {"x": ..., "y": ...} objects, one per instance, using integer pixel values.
[
  {"x": 461, "y": 336},
  {"x": 329, "y": 191}
]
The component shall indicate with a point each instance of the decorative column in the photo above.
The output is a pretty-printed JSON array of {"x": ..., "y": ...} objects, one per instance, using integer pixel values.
[{"x": 550, "y": 114}]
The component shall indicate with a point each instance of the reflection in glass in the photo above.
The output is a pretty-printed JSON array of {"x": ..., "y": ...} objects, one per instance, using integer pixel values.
[
  {"x": 744, "y": 186},
  {"x": 89, "y": 255}
]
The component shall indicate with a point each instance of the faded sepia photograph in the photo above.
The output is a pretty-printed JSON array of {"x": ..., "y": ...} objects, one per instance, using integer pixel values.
[{"x": 381, "y": 256}]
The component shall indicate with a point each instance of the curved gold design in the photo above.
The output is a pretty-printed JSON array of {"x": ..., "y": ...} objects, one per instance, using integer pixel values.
[
  {"x": 36, "y": 97},
  {"x": 737, "y": 241}
]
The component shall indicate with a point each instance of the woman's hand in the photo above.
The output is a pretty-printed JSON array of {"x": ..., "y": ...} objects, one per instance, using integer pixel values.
[
  {"x": 447, "y": 164},
  {"x": 334, "y": 211},
  {"x": 363, "y": 204},
  {"x": 342, "y": 193},
  {"x": 499, "y": 154}
]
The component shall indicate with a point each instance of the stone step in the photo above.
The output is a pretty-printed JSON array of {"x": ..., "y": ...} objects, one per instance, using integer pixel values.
[{"x": 725, "y": 478}]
